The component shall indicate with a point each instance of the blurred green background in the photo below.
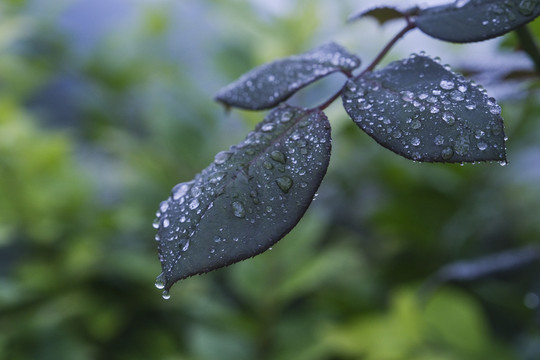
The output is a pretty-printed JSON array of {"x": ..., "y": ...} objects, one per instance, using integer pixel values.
[{"x": 106, "y": 105}]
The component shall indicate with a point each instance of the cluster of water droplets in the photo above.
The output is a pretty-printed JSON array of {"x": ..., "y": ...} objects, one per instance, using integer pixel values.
[
  {"x": 269, "y": 84},
  {"x": 423, "y": 111},
  {"x": 253, "y": 185}
]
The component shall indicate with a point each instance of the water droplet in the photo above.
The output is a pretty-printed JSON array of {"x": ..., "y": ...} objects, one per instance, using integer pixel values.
[
  {"x": 482, "y": 146},
  {"x": 194, "y": 204},
  {"x": 526, "y": 7},
  {"x": 185, "y": 247},
  {"x": 238, "y": 209},
  {"x": 155, "y": 223},
  {"x": 163, "y": 206},
  {"x": 286, "y": 116},
  {"x": 461, "y": 145},
  {"x": 165, "y": 295},
  {"x": 285, "y": 183},
  {"x": 503, "y": 163},
  {"x": 267, "y": 127},
  {"x": 439, "y": 140},
  {"x": 397, "y": 134},
  {"x": 470, "y": 106},
  {"x": 495, "y": 109},
  {"x": 416, "y": 124},
  {"x": 166, "y": 223},
  {"x": 447, "y": 153},
  {"x": 407, "y": 96},
  {"x": 160, "y": 281},
  {"x": 447, "y": 84},
  {"x": 449, "y": 118},
  {"x": 478, "y": 134},
  {"x": 222, "y": 156},
  {"x": 157, "y": 237},
  {"x": 278, "y": 156},
  {"x": 457, "y": 96},
  {"x": 434, "y": 109},
  {"x": 268, "y": 165},
  {"x": 179, "y": 190},
  {"x": 415, "y": 141}
]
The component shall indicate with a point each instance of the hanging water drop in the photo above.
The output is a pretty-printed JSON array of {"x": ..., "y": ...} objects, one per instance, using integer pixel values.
[
  {"x": 165, "y": 295},
  {"x": 285, "y": 183},
  {"x": 160, "y": 281}
]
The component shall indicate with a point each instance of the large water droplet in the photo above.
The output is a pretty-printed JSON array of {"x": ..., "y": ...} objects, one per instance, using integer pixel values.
[
  {"x": 278, "y": 156},
  {"x": 447, "y": 153},
  {"x": 439, "y": 140},
  {"x": 238, "y": 209},
  {"x": 160, "y": 281},
  {"x": 267, "y": 127},
  {"x": 163, "y": 206},
  {"x": 165, "y": 295},
  {"x": 285, "y": 183},
  {"x": 449, "y": 118},
  {"x": 179, "y": 190},
  {"x": 447, "y": 84},
  {"x": 461, "y": 145},
  {"x": 194, "y": 204},
  {"x": 482, "y": 146},
  {"x": 166, "y": 223},
  {"x": 222, "y": 156},
  {"x": 526, "y": 7}
]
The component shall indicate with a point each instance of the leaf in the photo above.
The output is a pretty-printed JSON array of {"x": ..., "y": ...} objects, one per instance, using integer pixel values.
[
  {"x": 270, "y": 84},
  {"x": 384, "y": 14},
  {"x": 421, "y": 110},
  {"x": 476, "y": 20},
  {"x": 247, "y": 199}
]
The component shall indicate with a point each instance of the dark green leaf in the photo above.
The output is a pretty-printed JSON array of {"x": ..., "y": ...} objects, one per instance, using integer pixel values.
[
  {"x": 384, "y": 14},
  {"x": 425, "y": 112},
  {"x": 476, "y": 20},
  {"x": 247, "y": 199},
  {"x": 270, "y": 84}
]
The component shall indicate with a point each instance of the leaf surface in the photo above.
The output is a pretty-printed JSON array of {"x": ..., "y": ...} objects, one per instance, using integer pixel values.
[
  {"x": 247, "y": 199},
  {"x": 268, "y": 85},
  {"x": 423, "y": 111},
  {"x": 476, "y": 20}
]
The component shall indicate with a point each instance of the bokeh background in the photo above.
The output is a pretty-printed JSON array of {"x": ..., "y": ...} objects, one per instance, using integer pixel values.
[{"x": 106, "y": 104}]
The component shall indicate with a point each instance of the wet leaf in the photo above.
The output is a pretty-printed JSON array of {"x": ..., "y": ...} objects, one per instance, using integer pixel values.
[
  {"x": 384, "y": 14},
  {"x": 476, "y": 20},
  {"x": 423, "y": 111},
  {"x": 247, "y": 199},
  {"x": 268, "y": 85}
]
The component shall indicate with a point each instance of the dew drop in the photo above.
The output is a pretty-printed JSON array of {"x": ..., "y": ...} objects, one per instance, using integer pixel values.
[
  {"x": 415, "y": 141},
  {"x": 285, "y": 183},
  {"x": 447, "y": 84},
  {"x": 482, "y": 146},
  {"x": 160, "y": 281},
  {"x": 179, "y": 190},
  {"x": 163, "y": 206},
  {"x": 470, "y": 106},
  {"x": 397, "y": 134},
  {"x": 166, "y": 223},
  {"x": 447, "y": 153},
  {"x": 194, "y": 204},
  {"x": 186, "y": 246},
  {"x": 286, "y": 116},
  {"x": 222, "y": 156},
  {"x": 267, "y": 127},
  {"x": 416, "y": 124},
  {"x": 526, "y": 7},
  {"x": 155, "y": 223},
  {"x": 278, "y": 156},
  {"x": 268, "y": 165},
  {"x": 439, "y": 140},
  {"x": 165, "y": 295},
  {"x": 407, "y": 96},
  {"x": 457, "y": 96},
  {"x": 449, "y": 118},
  {"x": 461, "y": 145},
  {"x": 495, "y": 109},
  {"x": 478, "y": 134},
  {"x": 238, "y": 209}
]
